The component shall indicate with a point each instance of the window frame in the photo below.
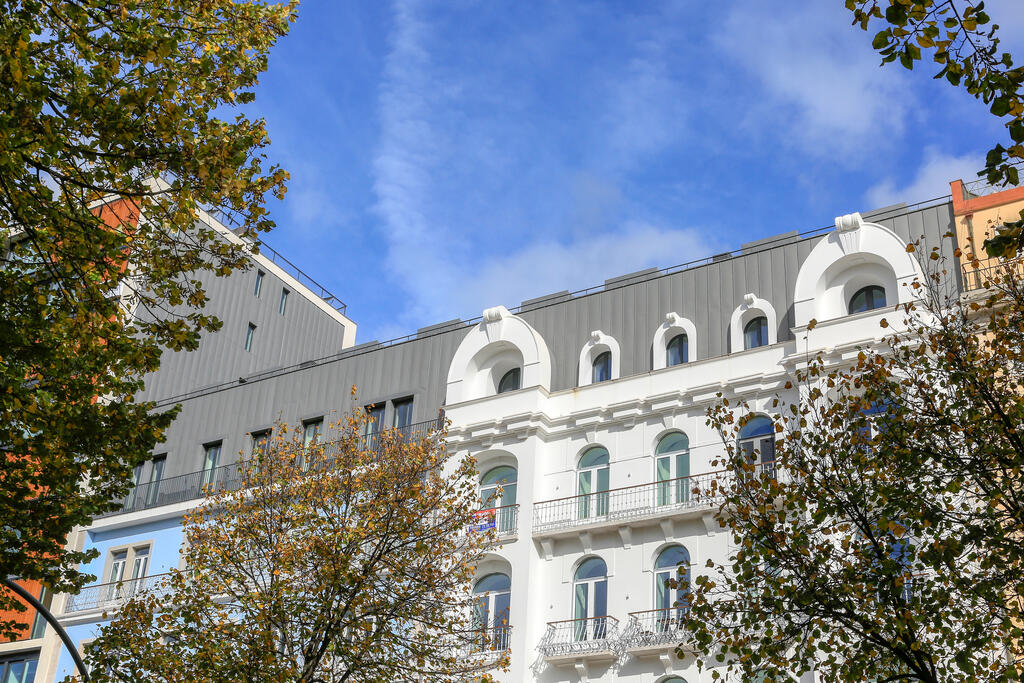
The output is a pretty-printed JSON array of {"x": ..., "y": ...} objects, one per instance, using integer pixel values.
[
  {"x": 518, "y": 376},
  {"x": 685, "y": 355},
  {"x": 868, "y": 291},
  {"x": 250, "y": 334},
  {"x": 282, "y": 306},
  {"x": 258, "y": 287},
  {"x": 605, "y": 359},
  {"x": 762, "y": 332},
  {"x": 208, "y": 468}
]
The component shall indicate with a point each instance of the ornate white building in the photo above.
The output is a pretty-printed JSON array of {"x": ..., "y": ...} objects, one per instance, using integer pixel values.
[{"x": 585, "y": 412}]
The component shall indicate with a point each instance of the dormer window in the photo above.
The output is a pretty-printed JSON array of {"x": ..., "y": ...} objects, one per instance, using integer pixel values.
[
  {"x": 510, "y": 381},
  {"x": 677, "y": 351},
  {"x": 602, "y": 367},
  {"x": 755, "y": 333},
  {"x": 867, "y": 299}
]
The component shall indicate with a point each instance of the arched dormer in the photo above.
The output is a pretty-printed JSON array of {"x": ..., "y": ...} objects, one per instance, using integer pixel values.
[
  {"x": 598, "y": 344},
  {"x": 749, "y": 311},
  {"x": 673, "y": 326},
  {"x": 499, "y": 343},
  {"x": 856, "y": 255}
]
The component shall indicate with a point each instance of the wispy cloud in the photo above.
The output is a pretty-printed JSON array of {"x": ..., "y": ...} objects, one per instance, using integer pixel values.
[
  {"x": 934, "y": 173},
  {"x": 456, "y": 250},
  {"x": 817, "y": 82}
]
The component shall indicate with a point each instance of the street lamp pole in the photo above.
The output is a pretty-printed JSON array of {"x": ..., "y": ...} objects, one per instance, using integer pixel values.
[{"x": 52, "y": 620}]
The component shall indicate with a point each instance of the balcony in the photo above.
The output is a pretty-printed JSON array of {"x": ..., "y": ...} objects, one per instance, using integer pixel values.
[
  {"x": 107, "y": 596},
  {"x": 193, "y": 485},
  {"x": 627, "y": 505},
  {"x": 375, "y": 440},
  {"x": 177, "y": 489},
  {"x": 654, "y": 630},
  {"x": 489, "y": 645},
  {"x": 504, "y": 520},
  {"x": 593, "y": 637},
  {"x": 990, "y": 275}
]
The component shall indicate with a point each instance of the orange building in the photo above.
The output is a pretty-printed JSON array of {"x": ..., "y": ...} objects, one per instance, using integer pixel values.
[{"x": 979, "y": 208}]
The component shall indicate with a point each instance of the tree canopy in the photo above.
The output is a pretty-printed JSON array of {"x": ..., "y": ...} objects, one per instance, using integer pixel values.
[
  {"x": 963, "y": 41},
  {"x": 345, "y": 561},
  {"x": 884, "y": 542},
  {"x": 119, "y": 123}
]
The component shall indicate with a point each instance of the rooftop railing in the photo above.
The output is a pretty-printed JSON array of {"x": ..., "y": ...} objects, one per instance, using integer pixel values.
[
  {"x": 306, "y": 281},
  {"x": 981, "y": 187},
  {"x": 580, "y": 637},
  {"x": 654, "y": 628},
  {"x": 115, "y": 594},
  {"x": 630, "y": 502},
  {"x": 194, "y": 485},
  {"x": 232, "y": 223}
]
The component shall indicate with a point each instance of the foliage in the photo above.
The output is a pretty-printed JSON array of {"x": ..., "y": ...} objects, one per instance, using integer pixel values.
[
  {"x": 887, "y": 545},
  {"x": 962, "y": 40},
  {"x": 339, "y": 562},
  {"x": 97, "y": 100}
]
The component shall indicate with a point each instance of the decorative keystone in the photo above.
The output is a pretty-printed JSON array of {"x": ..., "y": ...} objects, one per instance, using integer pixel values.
[{"x": 849, "y": 222}]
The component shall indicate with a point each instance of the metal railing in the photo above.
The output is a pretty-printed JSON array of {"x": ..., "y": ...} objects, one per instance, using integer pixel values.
[
  {"x": 227, "y": 219},
  {"x": 193, "y": 485},
  {"x": 629, "y": 502},
  {"x": 987, "y": 276},
  {"x": 653, "y": 628},
  {"x": 981, "y": 187},
  {"x": 115, "y": 594},
  {"x": 504, "y": 520},
  {"x": 580, "y": 637},
  {"x": 375, "y": 439},
  {"x": 489, "y": 643},
  {"x": 178, "y": 489},
  {"x": 309, "y": 283}
]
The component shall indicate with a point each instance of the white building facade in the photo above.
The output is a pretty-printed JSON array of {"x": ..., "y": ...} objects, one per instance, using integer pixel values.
[
  {"x": 586, "y": 414},
  {"x": 606, "y": 475}
]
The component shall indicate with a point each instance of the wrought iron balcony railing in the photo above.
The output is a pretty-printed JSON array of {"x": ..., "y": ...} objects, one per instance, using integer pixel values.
[
  {"x": 580, "y": 637},
  {"x": 194, "y": 484},
  {"x": 504, "y": 520},
  {"x": 654, "y": 628},
  {"x": 112, "y": 595},
  {"x": 489, "y": 643},
  {"x": 986, "y": 276},
  {"x": 627, "y": 503}
]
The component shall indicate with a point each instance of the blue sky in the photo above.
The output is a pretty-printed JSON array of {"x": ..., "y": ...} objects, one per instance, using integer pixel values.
[{"x": 450, "y": 156}]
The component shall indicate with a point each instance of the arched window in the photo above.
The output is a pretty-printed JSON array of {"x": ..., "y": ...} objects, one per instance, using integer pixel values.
[
  {"x": 592, "y": 483},
  {"x": 590, "y": 599},
  {"x": 602, "y": 367},
  {"x": 757, "y": 442},
  {"x": 867, "y": 299},
  {"x": 671, "y": 567},
  {"x": 755, "y": 333},
  {"x": 672, "y": 679},
  {"x": 672, "y": 462},
  {"x": 677, "y": 350},
  {"x": 510, "y": 381},
  {"x": 498, "y": 490},
  {"x": 492, "y": 598}
]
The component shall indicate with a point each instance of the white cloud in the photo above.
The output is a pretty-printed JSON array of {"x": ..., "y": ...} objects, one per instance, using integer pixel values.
[
  {"x": 551, "y": 266},
  {"x": 934, "y": 174},
  {"x": 435, "y": 253},
  {"x": 820, "y": 82}
]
